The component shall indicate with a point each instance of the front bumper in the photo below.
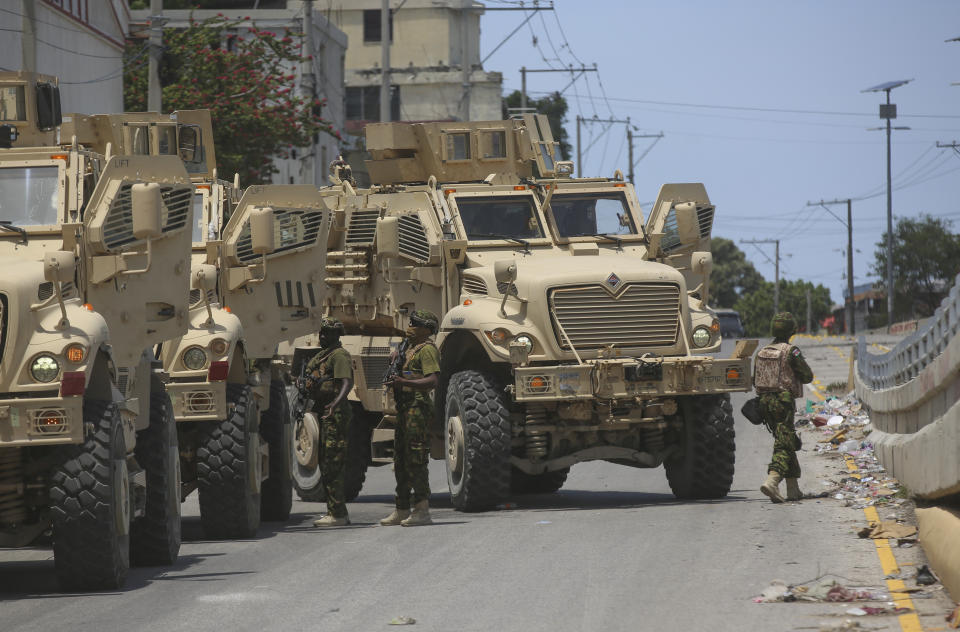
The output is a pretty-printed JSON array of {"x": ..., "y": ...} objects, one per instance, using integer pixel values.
[
  {"x": 629, "y": 378},
  {"x": 198, "y": 401},
  {"x": 41, "y": 421}
]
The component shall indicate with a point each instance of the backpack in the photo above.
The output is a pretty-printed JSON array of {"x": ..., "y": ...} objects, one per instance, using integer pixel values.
[{"x": 772, "y": 371}]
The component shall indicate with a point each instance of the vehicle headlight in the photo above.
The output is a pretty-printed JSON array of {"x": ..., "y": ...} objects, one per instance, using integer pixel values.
[
  {"x": 526, "y": 341},
  {"x": 44, "y": 368},
  {"x": 218, "y": 346},
  {"x": 701, "y": 336},
  {"x": 194, "y": 358}
]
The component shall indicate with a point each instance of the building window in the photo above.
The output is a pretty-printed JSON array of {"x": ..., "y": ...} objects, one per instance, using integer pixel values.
[
  {"x": 371, "y": 25},
  {"x": 363, "y": 103}
]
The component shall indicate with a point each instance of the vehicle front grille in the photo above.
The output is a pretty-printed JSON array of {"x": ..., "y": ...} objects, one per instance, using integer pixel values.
[
  {"x": 474, "y": 285},
  {"x": 374, "y": 361},
  {"x": 640, "y": 315}
]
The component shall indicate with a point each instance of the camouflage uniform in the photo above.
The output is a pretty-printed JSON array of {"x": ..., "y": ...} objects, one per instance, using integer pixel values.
[
  {"x": 411, "y": 444},
  {"x": 777, "y": 408},
  {"x": 327, "y": 369}
]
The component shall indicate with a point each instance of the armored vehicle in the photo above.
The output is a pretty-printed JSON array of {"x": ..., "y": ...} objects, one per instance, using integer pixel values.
[
  {"x": 256, "y": 271},
  {"x": 95, "y": 250},
  {"x": 573, "y": 327}
]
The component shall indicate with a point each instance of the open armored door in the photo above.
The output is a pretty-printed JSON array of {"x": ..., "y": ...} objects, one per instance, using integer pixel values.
[
  {"x": 679, "y": 229},
  {"x": 545, "y": 149},
  {"x": 279, "y": 295},
  {"x": 195, "y": 142},
  {"x": 140, "y": 285}
]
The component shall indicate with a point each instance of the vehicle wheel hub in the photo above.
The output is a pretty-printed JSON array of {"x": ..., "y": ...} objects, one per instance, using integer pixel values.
[
  {"x": 308, "y": 442},
  {"x": 455, "y": 444}
]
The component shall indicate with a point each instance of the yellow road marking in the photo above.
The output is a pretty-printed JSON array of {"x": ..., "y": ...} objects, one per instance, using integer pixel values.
[{"x": 909, "y": 622}]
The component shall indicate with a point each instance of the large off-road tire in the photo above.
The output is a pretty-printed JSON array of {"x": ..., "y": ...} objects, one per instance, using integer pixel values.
[
  {"x": 704, "y": 466},
  {"x": 307, "y": 481},
  {"x": 228, "y": 469},
  {"x": 546, "y": 483},
  {"x": 155, "y": 536},
  {"x": 276, "y": 493},
  {"x": 90, "y": 505},
  {"x": 477, "y": 440}
]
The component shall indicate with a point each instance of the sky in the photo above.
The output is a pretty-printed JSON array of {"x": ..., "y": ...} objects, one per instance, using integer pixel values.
[{"x": 761, "y": 100}]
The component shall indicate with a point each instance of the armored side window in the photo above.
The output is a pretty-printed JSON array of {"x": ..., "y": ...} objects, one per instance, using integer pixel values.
[
  {"x": 493, "y": 145},
  {"x": 137, "y": 139},
  {"x": 12, "y": 104},
  {"x": 671, "y": 231},
  {"x": 458, "y": 146},
  {"x": 167, "y": 140}
]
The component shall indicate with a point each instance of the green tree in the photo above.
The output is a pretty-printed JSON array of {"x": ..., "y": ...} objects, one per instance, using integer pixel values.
[
  {"x": 926, "y": 260},
  {"x": 555, "y": 107},
  {"x": 732, "y": 275},
  {"x": 244, "y": 79},
  {"x": 756, "y": 307}
]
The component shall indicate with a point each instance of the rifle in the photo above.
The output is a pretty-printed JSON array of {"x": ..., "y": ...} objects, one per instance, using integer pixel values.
[
  {"x": 395, "y": 368},
  {"x": 304, "y": 402}
]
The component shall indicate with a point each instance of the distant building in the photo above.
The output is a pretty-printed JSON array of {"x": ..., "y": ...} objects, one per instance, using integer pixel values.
[
  {"x": 308, "y": 164},
  {"x": 79, "y": 41},
  {"x": 428, "y": 51}
]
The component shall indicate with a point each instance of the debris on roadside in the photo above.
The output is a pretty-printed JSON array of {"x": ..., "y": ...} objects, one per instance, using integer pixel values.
[
  {"x": 402, "y": 621},
  {"x": 820, "y": 589},
  {"x": 888, "y": 530},
  {"x": 925, "y": 576},
  {"x": 953, "y": 619}
]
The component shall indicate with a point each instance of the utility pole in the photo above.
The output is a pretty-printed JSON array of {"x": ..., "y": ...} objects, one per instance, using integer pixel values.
[
  {"x": 630, "y": 137},
  {"x": 464, "y": 61},
  {"x": 28, "y": 43},
  {"x": 629, "y": 151},
  {"x": 155, "y": 44},
  {"x": 850, "y": 327},
  {"x": 954, "y": 146},
  {"x": 580, "y": 120},
  {"x": 809, "y": 313},
  {"x": 888, "y": 111},
  {"x": 776, "y": 267},
  {"x": 523, "y": 77},
  {"x": 385, "y": 61},
  {"x": 308, "y": 90}
]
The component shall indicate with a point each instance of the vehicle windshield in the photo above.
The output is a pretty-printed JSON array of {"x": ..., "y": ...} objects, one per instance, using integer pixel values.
[
  {"x": 505, "y": 217},
  {"x": 591, "y": 214},
  {"x": 29, "y": 195}
]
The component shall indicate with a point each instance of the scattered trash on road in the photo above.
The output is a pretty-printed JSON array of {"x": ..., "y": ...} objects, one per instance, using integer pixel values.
[
  {"x": 544, "y": 522},
  {"x": 925, "y": 576},
  {"x": 887, "y": 530},
  {"x": 402, "y": 621}
]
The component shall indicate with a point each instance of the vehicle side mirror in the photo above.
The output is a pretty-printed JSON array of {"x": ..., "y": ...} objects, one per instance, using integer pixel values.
[
  {"x": 388, "y": 237},
  {"x": 204, "y": 277},
  {"x": 48, "y": 107},
  {"x": 701, "y": 263},
  {"x": 505, "y": 271},
  {"x": 59, "y": 266},
  {"x": 687, "y": 225},
  {"x": 262, "y": 231},
  {"x": 187, "y": 145},
  {"x": 147, "y": 204}
]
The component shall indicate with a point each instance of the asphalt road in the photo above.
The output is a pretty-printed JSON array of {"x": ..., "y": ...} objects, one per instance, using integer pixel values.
[{"x": 613, "y": 550}]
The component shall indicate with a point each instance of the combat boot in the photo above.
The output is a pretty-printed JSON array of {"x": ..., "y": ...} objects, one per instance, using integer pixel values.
[
  {"x": 398, "y": 516},
  {"x": 793, "y": 489},
  {"x": 771, "y": 485},
  {"x": 419, "y": 516},
  {"x": 330, "y": 521}
]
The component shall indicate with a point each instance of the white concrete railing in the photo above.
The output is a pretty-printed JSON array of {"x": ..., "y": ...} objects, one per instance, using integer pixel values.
[{"x": 913, "y": 394}]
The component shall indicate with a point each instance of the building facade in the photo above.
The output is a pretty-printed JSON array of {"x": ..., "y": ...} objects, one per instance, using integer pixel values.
[
  {"x": 78, "y": 41},
  {"x": 430, "y": 41},
  {"x": 328, "y": 44}
]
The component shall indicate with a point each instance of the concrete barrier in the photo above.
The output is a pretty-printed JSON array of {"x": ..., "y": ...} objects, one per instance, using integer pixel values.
[{"x": 913, "y": 396}]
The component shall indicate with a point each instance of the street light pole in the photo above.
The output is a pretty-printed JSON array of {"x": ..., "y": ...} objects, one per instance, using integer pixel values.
[{"x": 888, "y": 111}]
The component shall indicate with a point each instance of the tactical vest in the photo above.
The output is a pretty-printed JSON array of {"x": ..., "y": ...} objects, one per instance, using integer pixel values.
[
  {"x": 413, "y": 352},
  {"x": 773, "y": 372}
]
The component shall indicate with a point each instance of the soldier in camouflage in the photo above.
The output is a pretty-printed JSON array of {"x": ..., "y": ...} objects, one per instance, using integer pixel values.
[
  {"x": 330, "y": 378},
  {"x": 411, "y": 445},
  {"x": 779, "y": 373}
]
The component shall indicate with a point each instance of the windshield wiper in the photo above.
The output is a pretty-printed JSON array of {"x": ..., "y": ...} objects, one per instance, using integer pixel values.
[
  {"x": 524, "y": 242},
  {"x": 7, "y": 224},
  {"x": 614, "y": 238}
]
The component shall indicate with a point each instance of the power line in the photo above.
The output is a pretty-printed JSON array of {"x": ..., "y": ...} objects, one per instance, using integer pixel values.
[{"x": 66, "y": 50}]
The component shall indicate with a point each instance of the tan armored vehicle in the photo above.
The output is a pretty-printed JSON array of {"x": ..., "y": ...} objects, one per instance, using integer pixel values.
[
  {"x": 573, "y": 328},
  {"x": 95, "y": 252},
  {"x": 256, "y": 272}
]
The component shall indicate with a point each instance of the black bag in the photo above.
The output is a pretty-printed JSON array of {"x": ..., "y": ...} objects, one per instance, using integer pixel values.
[
  {"x": 797, "y": 442},
  {"x": 751, "y": 410}
]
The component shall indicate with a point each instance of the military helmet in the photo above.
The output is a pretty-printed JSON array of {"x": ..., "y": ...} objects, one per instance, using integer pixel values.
[
  {"x": 783, "y": 325},
  {"x": 332, "y": 326},
  {"x": 425, "y": 318}
]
